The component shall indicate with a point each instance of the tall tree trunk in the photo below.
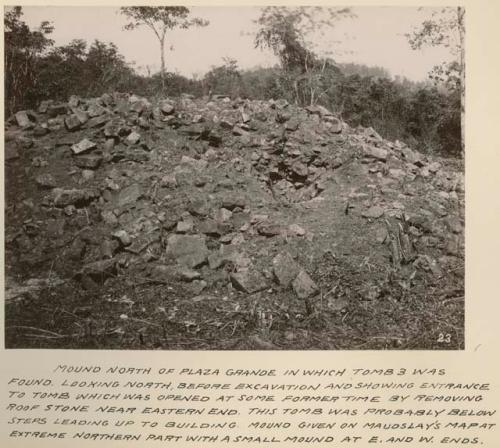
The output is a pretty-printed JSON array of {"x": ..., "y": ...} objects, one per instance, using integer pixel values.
[
  {"x": 461, "y": 30},
  {"x": 162, "y": 68},
  {"x": 296, "y": 89}
]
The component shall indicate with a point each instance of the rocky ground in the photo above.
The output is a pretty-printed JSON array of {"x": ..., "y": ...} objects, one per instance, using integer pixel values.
[{"x": 214, "y": 223}]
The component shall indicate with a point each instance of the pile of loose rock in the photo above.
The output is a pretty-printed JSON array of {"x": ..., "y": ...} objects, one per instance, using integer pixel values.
[{"x": 212, "y": 191}]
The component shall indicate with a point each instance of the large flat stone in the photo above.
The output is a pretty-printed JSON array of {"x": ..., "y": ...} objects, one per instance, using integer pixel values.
[
  {"x": 304, "y": 286},
  {"x": 188, "y": 250},
  {"x": 90, "y": 162},
  {"x": 72, "y": 122},
  {"x": 285, "y": 269},
  {"x": 84, "y": 145},
  {"x": 375, "y": 153},
  {"x": 374, "y": 212},
  {"x": 129, "y": 195},
  {"x": 62, "y": 197},
  {"x": 23, "y": 119},
  {"x": 249, "y": 281}
]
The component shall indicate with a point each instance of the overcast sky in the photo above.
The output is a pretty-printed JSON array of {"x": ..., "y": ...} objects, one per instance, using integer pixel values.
[{"x": 374, "y": 37}]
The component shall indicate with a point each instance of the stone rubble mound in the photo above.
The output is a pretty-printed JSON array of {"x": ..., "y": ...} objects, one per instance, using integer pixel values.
[{"x": 217, "y": 194}]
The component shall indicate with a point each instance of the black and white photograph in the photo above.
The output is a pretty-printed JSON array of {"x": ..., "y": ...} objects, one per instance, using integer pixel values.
[{"x": 234, "y": 177}]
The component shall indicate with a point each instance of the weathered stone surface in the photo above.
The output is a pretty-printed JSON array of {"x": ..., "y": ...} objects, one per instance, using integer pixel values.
[
  {"x": 46, "y": 180},
  {"x": 107, "y": 98},
  {"x": 187, "y": 274},
  {"x": 453, "y": 245},
  {"x": 97, "y": 121},
  {"x": 140, "y": 243},
  {"x": 201, "y": 181},
  {"x": 270, "y": 229},
  {"x": 73, "y": 101},
  {"x": 199, "y": 207},
  {"x": 24, "y": 141},
  {"x": 84, "y": 145},
  {"x": 113, "y": 128},
  {"x": 23, "y": 119},
  {"x": 215, "y": 261},
  {"x": 413, "y": 157},
  {"x": 226, "y": 124},
  {"x": 139, "y": 106},
  {"x": 94, "y": 110},
  {"x": 214, "y": 138},
  {"x": 230, "y": 202},
  {"x": 40, "y": 131},
  {"x": 193, "y": 130},
  {"x": 285, "y": 269},
  {"x": 335, "y": 125},
  {"x": 375, "y": 153},
  {"x": 63, "y": 198},
  {"x": 239, "y": 131},
  {"x": 245, "y": 117},
  {"x": 373, "y": 212},
  {"x": 229, "y": 253},
  {"x": 109, "y": 217},
  {"x": 187, "y": 250},
  {"x": 56, "y": 227},
  {"x": 196, "y": 164},
  {"x": 167, "y": 108},
  {"x": 183, "y": 178},
  {"x": 304, "y": 286},
  {"x": 258, "y": 219},
  {"x": 91, "y": 161},
  {"x": 197, "y": 286},
  {"x": 209, "y": 227},
  {"x": 292, "y": 125},
  {"x": 453, "y": 224},
  {"x": 300, "y": 169},
  {"x": 108, "y": 248},
  {"x": 169, "y": 181},
  {"x": 143, "y": 123},
  {"x": 381, "y": 235},
  {"x": 280, "y": 103},
  {"x": 283, "y": 117},
  {"x": 82, "y": 116},
  {"x": 295, "y": 230},
  {"x": 44, "y": 106},
  {"x": 318, "y": 110},
  {"x": 72, "y": 122},
  {"x": 123, "y": 237},
  {"x": 185, "y": 226},
  {"x": 223, "y": 215},
  {"x": 434, "y": 167},
  {"x": 87, "y": 175},
  {"x": 249, "y": 281},
  {"x": 57, "y": 109},
  {"x": 55, "y": 124},
  {"x": 11, "y": 153},
  {"x": 397, "y": 173},
  {"x": 133, "y": 138},
  {"x": 129, "y": 195},
  {"x": 372, "y": 133},
  {"x": 421, "y": 222},
  {"x": 77, "y": 249}
]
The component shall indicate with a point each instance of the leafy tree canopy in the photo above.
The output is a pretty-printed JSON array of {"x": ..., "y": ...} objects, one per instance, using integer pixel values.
[{"x": 287, "y": 30}]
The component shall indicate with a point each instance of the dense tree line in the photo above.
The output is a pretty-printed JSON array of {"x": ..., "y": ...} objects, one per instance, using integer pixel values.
[
  {"x": 35, "y": 69},
  {"x": 424, "y": 115}
]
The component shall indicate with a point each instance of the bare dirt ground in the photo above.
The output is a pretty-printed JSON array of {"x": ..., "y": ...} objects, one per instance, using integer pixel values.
[{"x": 226, "y": 224}]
